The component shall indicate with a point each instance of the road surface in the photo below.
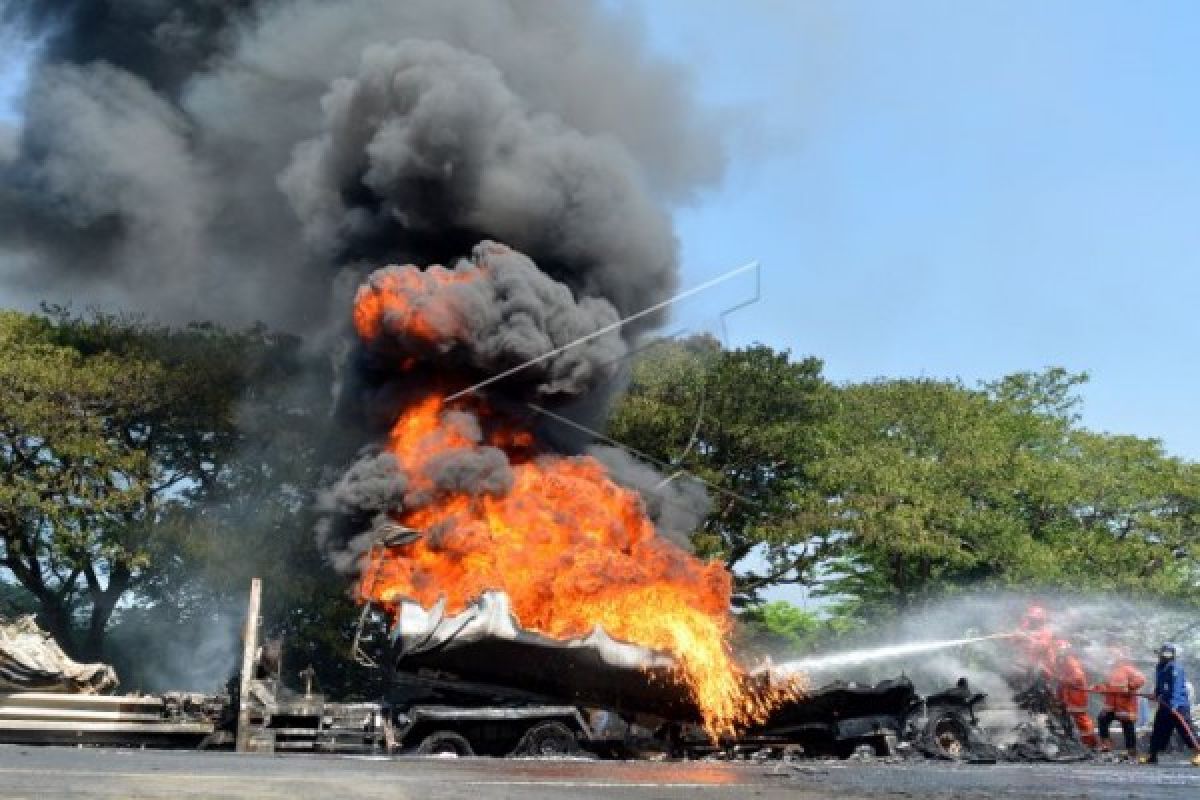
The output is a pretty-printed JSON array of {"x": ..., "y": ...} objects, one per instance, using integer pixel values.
[{"x": 28, "y": 772}]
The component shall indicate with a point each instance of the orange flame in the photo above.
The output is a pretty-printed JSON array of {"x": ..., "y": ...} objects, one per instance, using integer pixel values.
[
  {"x": 411, "y": 302},
  {"x": 570, "y": 548}
]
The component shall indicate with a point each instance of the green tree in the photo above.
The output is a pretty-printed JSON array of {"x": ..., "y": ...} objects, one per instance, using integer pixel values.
[
  {"x": 878, "y": 495},
  {"x": 15, "y": 601},
  {"x": 939, "y": 487},
  {"x": 782, "y": 630},
  {"x": 748, "y": 422},
  {"x": 114, "y": 434}
]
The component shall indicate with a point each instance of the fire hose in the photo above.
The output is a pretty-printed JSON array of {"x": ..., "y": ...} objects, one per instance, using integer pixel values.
[{"x": 1183, "y": 722}]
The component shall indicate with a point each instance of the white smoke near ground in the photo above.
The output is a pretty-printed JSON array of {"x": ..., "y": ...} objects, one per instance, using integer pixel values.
[
  {"x": 1091, "y": 624},
  {"x": 156, "y": 652}
]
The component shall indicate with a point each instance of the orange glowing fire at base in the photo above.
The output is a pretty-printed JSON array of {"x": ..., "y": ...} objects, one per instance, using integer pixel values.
[{"x": 570, "y": 548}]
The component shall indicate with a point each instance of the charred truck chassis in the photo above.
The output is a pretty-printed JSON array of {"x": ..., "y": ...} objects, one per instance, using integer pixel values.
[
  {"x": 445, "y": 715},
  {"x": 436, "y": 715},
  {"x": 838, "y": 719},
  {"x": 477, "y": 683},
  {"x": 841, "y": 719}
]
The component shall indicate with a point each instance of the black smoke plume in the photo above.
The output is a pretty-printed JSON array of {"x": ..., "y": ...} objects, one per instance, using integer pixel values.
[
  {"x": 254, "y": 161},
  {"x": 220, "y": 160},
  {"x": 499, "y": 312}
]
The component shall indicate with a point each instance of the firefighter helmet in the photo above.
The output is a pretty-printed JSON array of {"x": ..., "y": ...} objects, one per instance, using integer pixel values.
[{"x": 1035, "y": 617}]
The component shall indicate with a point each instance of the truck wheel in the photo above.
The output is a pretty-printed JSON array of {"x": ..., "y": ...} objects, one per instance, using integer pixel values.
[
  {"x": 948, "y": 735},
  {"x": 444, "y": 743},
  {"x": 548, "y": 739}
]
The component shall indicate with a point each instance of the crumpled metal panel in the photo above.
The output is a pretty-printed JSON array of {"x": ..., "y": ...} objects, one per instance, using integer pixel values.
[
  {"x": 484, "y": 643},
  {"x": 30, "y": 660}
]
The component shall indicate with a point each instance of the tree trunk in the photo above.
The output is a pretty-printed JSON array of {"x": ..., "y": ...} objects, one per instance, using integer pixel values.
[
  {"x": 53, "y": 615},
  {"x": 103, "y": 604},
  {"x": 900, "y": 580},
  {"x": 55, "y": 619}
]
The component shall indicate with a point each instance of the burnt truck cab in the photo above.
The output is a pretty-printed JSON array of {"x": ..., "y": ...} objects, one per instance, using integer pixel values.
[
  {"x": 841, "y": 719},
  {"x": 947, "y": 727},
  {"x": 835, "y": 721}
]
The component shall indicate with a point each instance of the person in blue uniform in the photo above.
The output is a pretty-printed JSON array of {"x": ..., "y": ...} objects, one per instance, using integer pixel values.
[{"x": 1174, "y": 713}]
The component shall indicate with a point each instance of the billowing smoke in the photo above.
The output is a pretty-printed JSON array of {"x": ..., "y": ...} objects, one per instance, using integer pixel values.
[
  {"x": 164, "y": 42},
  {"x": 8, "y": 143},
  {"x": 354, "y": 508},
  {"x": 254, "y": 160},
  {"x": 440, "y": 152},
  {"x": 432, "y": 334},
  {"x": 221, "y": 160},
  {"x": 257, "y": 160},
  {"x": 677, "y": 503},
  {"x": 492, "y": 313}
]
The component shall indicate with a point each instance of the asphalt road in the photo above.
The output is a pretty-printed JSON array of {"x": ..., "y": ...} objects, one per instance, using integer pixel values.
[{"x": 27, "y": 772}]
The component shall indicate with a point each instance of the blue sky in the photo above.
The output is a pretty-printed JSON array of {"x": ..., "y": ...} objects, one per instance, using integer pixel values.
[
  {"x": 962, "y": 189},
  {"x": 956, "y": 189},
  {"x": 14, "y": 54}
]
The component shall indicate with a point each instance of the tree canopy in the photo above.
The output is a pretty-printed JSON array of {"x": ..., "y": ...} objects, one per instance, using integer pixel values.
[
  {"x": 120, "y": 441},
  {"x": 940, "y": 486},
  {"x": 883, "y": 493},
  {"x": 750, "y": 423}
]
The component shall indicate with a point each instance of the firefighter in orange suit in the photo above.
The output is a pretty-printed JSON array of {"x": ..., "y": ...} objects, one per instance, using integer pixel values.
[
  {"x": 1073, "y": 692},
  {"x": 1121, "y": 701},
  {"x": 1037, "y": 645}
]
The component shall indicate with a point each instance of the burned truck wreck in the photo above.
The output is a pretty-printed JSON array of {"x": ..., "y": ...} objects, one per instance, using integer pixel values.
[
  {"x": 841, "y": 718},
  {"x": 484, "y": 642},
  {"x": 477, "y": 683}
]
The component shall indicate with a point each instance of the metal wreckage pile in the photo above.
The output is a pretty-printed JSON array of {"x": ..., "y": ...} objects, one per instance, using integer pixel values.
[
  {"x": 628, "y": 701},
  {"x": 48, "y": 698},
  {"x": 476, "y": 683}
]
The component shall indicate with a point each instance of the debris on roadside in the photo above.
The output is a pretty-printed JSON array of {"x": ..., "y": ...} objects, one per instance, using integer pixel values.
[{"x": 30, "y": 660}]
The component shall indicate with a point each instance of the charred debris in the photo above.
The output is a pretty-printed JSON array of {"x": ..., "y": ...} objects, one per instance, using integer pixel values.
[{"x": 476, "y": 683}]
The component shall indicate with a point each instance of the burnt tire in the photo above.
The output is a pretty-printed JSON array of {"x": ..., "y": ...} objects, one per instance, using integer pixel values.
[
  {"x": 948, "y": 736},
  {"x": 445, "y": 743},
  {"x": 547, "y": 740}
]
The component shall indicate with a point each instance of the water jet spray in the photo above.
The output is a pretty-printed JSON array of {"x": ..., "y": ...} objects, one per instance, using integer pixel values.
[{"x": 856, "y": 657}]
